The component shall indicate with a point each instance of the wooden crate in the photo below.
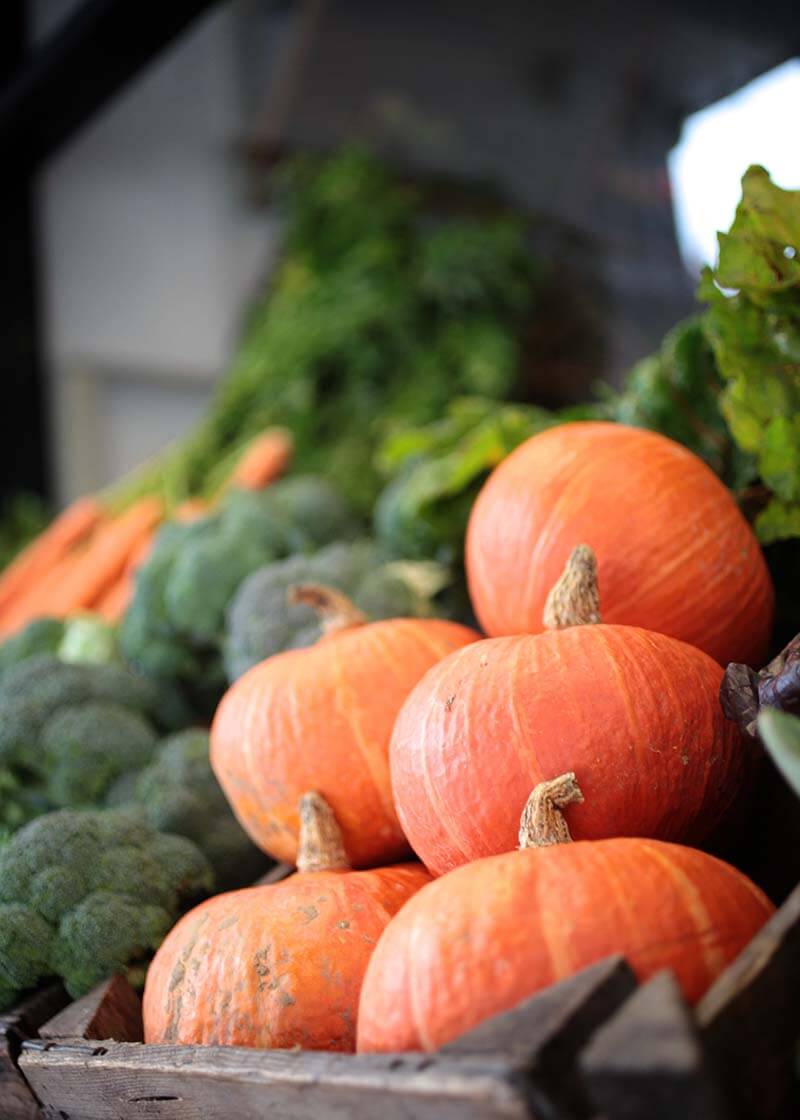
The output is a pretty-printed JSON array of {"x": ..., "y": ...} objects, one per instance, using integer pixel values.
[{"x": 596, "y": 1045}]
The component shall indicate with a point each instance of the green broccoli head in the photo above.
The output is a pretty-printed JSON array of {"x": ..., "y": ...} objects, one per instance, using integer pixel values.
[
  {"x": 83, "y": 894},
  {"x": 178, "y": 793},
  {"x": 26, "y": 945},
  {"x": 174, "y": 629},
  {"x": 43, "y": 635},
  {"x": 262, "y": 622},
  {"x": 86, "y": 747},
  {"x": 68, "y": 731}
]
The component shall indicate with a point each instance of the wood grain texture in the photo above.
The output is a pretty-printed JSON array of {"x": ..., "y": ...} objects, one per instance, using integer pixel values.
[
  {"x": 750, "y": 1018},
  {"x": 126, "y": 1081},
  {"x": 111, "y": 1010},
  {"x": 17, "y": 1102},
  {"x": 548, "y": 1031},
  {"x": 647, "y": 1062}
]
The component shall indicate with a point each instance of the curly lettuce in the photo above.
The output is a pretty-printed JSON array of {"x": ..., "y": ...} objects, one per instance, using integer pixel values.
[{"x": 753, "y": 326}]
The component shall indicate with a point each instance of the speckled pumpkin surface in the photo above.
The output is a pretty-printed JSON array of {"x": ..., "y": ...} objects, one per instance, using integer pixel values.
[{"x": 275, "y": 966}]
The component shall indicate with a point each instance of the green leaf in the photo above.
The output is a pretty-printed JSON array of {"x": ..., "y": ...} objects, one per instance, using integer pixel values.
[
  {"x": 755, "y": 336},
  {"x": 780, "y": 733}
]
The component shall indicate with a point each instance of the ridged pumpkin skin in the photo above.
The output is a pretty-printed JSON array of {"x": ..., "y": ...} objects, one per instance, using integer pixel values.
[
  {"x": 480, "y": 940},
  {"x": 634, "y": 714},
  {"x": 673, "y": 550},
  {"x": 321, "y": 718},
  {"x": 274, "y": 966}
]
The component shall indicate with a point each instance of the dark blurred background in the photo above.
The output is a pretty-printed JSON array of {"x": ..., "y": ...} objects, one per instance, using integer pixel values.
[{"x": 139, "y": 140}]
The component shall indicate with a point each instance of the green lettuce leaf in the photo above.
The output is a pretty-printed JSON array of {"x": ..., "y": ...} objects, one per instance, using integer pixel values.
[
  {"x": 753, "y": 326},
  {"x": 435, "y": 472}
]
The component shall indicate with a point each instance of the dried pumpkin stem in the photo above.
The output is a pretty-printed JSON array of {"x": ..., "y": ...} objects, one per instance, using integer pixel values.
[
  {"x": 334, "y": 610},
  {"x": 542, "y": 822},
  {"x": 575, "y": 599},
  {"x": 321, "y": 847}
]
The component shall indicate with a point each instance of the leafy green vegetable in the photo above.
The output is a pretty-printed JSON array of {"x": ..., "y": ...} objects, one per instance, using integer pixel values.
[
  {"x": 753, "y": 325},
  {"x": 677, "y": 391},
  {"x": 437, "y": 470},
  {"x": 85, "y": 894},
  {"x": 780, "y": 734}
]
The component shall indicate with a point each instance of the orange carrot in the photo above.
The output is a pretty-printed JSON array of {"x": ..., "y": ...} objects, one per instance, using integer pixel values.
[
  {"x": 114, "y": 601},
  {"x": 264, "y": 460},
  {"x": 191, "y": 510},
  {"x": 140, "y": 552},
  {"x": 106, "y": 557},
  {"x": 34, "y": 601},
  {"x": 113, "y": 604},
  {"x": 73, "y": 524}
]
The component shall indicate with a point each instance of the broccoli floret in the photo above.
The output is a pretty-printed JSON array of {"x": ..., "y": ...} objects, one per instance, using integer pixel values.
[
  {"x": 86, "y": 747},
  {"x": 25, "y": 950},
  {"x": 174, "y": 629},
  {"x": 68, "y": 731},
  {"x": 43, "y": 635},
  {"x": 178, "y": 793},
  {"x": 314, "y": 507},
  {"x": 262, "y": 622},
  {"x": 83, "y": 894}
]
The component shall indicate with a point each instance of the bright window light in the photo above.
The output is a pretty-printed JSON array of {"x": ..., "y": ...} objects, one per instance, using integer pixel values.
[{"x": 760, "y": 123}]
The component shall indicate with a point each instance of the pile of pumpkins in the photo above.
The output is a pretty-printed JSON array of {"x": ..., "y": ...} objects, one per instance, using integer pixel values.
[{"x": 551, "y": 779}]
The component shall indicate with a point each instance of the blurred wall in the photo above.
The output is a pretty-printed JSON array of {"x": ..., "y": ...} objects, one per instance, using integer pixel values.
[{"x": 149, "y": 250}]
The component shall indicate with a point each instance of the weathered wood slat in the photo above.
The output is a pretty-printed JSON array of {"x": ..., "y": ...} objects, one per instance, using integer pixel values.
[
  {"x": 547, "y": 1032},
  {"x": 647, "y": 1062},
  {"x": 111, "y": 1010},
  {"x": 17, "y": 1102},
  {"x": 126, "y": 1081},
  {"x": 750, "y": 1018}
]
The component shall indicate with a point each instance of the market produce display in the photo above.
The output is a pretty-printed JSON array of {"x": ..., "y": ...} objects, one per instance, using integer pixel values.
[
  {"x": 174, "y": 627},
  {"x": 279, "y": 965},
  {"x": 84, "y": 895},
  {"x": 479, "y": 940},
  {"x": 322, "y": 718},
  {"x": 212, "y": 666}
]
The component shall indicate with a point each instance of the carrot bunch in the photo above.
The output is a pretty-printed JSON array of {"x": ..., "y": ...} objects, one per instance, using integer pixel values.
[{"x": 87, "y": 558}]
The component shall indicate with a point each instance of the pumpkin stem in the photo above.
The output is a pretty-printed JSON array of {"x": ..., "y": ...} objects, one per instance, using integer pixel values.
[
  {"x": 321, "y": 847},
  {"x": 574, "y": 600},
  {"x": 542, "y": 822},
  {"x": 334, "y": 610}
]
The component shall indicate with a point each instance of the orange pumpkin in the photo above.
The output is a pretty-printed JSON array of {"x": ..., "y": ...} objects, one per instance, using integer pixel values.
[
  {"x": 634, "y": 714},
  {"x": 675, "y": 553},
  {"x": 279, "y": 965},
  {"x": 483, "y": 938},
  {"x": 322, "y": 718}
]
